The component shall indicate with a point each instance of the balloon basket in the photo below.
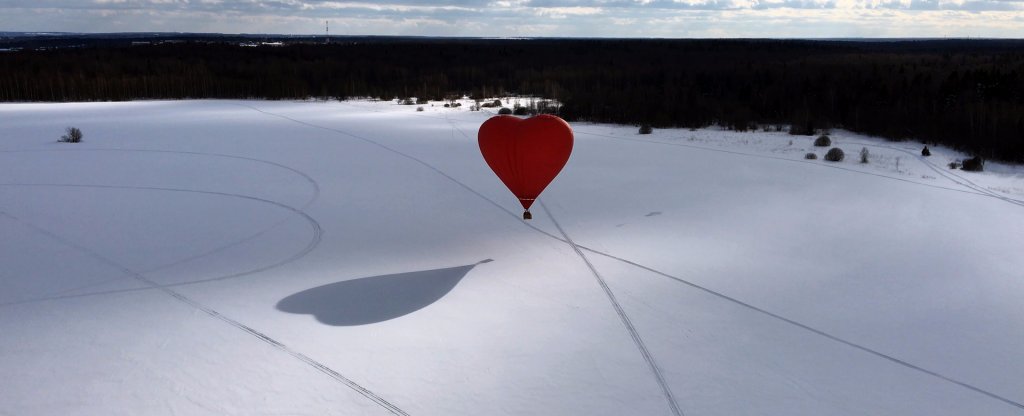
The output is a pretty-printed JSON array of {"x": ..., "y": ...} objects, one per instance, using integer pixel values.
[{"x": 527, "y": 215}]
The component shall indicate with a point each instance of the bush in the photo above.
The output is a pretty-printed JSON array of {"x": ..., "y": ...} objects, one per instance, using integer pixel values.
[
  {"x": 926, "y": 152},
  {"x": 810, "y": 156},
  {"x": 71, "y": 135},
  {"x": 505, "y": 110},
  {"x": 646, "y": 129},
  {"x": 954, "y": 165},
  {"x": 864, "y": 155},
  {"x": 835, "y": 154},
  {"x": 419, "y": 108},
  {"x": 975, "y": 164},
  {"x": 496, "y": 103},
  {"x": 823, "y": 141},
  {"x": 520, "y": 111},
  {"x": 408, "y": 101}
]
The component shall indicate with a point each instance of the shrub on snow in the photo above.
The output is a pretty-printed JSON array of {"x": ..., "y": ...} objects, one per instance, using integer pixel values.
[
  {"x": 505, "y": 110},
  {"x": 864, "y": 155},
  {"x": 646, "y": 129},
  {"x": 71, "y": 135},
  {"x": 823, "y": 141},
  {"x": 835, "y": 154},
  {"x": 810, "y": 156},
  {"x": 974, "y": 164}
]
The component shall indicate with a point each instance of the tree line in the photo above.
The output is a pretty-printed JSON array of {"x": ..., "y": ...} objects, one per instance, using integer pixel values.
[{"x": 968, "y": 94}]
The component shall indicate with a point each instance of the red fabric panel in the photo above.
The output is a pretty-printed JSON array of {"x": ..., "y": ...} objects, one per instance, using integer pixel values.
[{"x": 526, "y": 154}]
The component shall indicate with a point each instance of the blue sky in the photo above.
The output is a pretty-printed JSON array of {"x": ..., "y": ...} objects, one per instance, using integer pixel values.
[{"x": 514, "y": 18}]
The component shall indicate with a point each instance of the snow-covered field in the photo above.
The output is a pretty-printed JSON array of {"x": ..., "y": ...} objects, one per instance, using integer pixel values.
[{"x": 351, "y": 258}]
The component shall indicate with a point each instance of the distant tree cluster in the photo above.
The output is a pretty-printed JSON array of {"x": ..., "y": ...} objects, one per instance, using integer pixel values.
[{"x": 968, "y": 94}]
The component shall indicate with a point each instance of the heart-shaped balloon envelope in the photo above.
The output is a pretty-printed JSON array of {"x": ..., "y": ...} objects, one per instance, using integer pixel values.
[{"x": 526, "y": 154}]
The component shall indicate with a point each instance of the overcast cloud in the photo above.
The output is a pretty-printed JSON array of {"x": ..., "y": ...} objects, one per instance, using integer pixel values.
[{"x": 527, "y": 18}]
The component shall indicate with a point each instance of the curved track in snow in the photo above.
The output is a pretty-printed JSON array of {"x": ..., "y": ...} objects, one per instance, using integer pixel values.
[
  {"x": 221, "y": 317},
  {"x": 709, "y": 291},
  {"x": 314, "y": 185},
  {"x": 515, "y": 216},
  {"x": 314, "y": 241}
]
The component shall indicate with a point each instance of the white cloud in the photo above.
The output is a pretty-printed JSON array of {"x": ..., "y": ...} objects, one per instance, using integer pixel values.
[
  {"x": 563, "y": 12},
  {"x": 603, "y": 18}
]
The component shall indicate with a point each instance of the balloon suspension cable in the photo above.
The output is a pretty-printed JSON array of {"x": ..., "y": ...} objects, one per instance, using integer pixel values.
[{"x": 527, "y": 215}]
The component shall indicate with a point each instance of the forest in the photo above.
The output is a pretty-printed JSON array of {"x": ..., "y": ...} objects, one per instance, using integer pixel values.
[{"x": 968, "y": 94}]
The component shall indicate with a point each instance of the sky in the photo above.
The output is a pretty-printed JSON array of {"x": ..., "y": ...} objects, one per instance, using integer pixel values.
[{"x": 529, "y": 18}]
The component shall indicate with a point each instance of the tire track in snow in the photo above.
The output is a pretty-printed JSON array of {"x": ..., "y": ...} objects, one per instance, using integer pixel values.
[
  {"x": 712, "y": 292},
  {"x": 454, "y": 127},
  {"x": 221, "y": 317},
  {"x": 976, "y": 186},
  {"x": 297, "y": 355},
  {"x": 387, "y": 148},
  {"x": 972, "y": 188},
  {"x": 313, "y": 198},
  {"x": 819, "y": 332},
  {"x": 957, "y": 179},
  {"x": 611, "y": 296},
  {"x": 312, "y": 182},
  {"x": 710, "y": 149},
  {"x": 310, "y": 246},
  {"x": 655, "y": 370}
]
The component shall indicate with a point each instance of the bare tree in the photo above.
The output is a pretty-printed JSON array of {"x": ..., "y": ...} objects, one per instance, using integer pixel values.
[{"x": 71, "y": 135}]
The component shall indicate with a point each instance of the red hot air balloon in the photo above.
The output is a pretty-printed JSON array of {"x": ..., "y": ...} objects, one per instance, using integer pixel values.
[{"x": 526, "y": 154}]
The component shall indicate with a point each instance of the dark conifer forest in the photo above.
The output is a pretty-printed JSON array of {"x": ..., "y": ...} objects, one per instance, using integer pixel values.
[{"x": 968, "y": 94}]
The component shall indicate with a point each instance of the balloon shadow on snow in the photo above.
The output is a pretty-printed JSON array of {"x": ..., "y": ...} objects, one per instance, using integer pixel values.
[{"x": 370, "y": 300}]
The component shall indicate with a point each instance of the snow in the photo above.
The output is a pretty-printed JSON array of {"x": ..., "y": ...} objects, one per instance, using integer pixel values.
[{"x": 254, "y": 257}]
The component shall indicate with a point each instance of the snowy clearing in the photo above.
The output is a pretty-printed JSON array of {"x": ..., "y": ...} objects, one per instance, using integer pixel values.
[{"x": 253, "y": 257}]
